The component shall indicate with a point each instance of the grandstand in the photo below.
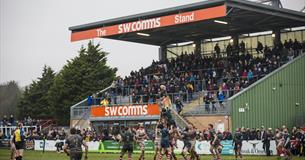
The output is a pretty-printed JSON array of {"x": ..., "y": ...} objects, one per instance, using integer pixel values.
[{"x": 232, "y": 63}]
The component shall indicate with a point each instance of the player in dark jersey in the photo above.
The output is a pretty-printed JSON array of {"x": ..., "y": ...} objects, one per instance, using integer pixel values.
[
  {"x": 287, "y": 144},
  {"x": 214, "y": 142},
  {"x": 174, "y": 136},
  {"x": 193, "y": 135},
  {"x": 237, "y": 141},
  {"x": 13, "y": 147},
  {"x": 165, "y": 143},
  {"x": 73, "y": 146},
  {"x": 187, "y": 144},
  {"x": 127, "y": 138}
]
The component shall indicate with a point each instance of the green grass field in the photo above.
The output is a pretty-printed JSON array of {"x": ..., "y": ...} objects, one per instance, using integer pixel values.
[{"x": 37, "y": 155}]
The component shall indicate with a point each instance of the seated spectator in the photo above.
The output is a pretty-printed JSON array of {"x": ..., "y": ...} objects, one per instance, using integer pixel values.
[{"x": 105, "y": 102}]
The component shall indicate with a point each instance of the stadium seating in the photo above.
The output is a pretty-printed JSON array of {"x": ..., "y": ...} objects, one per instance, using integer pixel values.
[{"x": 204, "y": 78}]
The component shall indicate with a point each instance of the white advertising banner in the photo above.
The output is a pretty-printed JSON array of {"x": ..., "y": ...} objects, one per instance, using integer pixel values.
[
  {"x": 202, "y": 147},
  {"x": 93, "y": 146},
  {"x": 50, "y": 145},
  {"x": 256, "y": 148}
]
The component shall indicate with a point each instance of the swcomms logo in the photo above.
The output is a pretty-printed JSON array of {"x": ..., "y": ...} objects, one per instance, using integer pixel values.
[
  {"x": 139, "y": 110},
  {"x": 140, "y": 25}
]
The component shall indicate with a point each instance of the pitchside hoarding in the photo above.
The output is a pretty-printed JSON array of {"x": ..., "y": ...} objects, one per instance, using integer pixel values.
[
  {"x": 157, "y": 22},
  {"x": 202, "y": 147}
]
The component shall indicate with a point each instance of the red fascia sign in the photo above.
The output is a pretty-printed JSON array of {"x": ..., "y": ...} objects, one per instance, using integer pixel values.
[
  {"x": 125, "y": 110},
  {"x": 141, "y": 25}
]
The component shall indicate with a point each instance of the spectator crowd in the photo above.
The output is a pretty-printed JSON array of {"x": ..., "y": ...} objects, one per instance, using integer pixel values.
[{"x": 217, "y": 76}]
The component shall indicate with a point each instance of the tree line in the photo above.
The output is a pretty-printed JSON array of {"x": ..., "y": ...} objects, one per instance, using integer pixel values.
[{"x": 52, "y": 94}]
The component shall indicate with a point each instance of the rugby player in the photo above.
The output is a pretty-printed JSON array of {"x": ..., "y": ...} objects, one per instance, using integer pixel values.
[
  {"x": 157, "y": 141},
  {"x": 19, "y": 142},
  {"x": 174, "y": 135},
  {"x": 215, "y": 142},
  {"x": 141, "y": 137},
  {"x": 287, "y": 144},
  {"x": 13, "y": 147},
  {"x": 187, "y": 144},
  {"x": 165, "y": 143},
  {"x": 193, "y": 135},
  {"x": 237, "y": 141},
  {"x": 127, "y": 138},
  {"x": 73, "y": 146}
]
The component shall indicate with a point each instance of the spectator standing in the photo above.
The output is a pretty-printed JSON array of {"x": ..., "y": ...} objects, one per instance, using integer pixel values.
[
  {"x": 12, "y": 120},
  {"x": 179, "y": 105},
  {"x": 217, "y": 50},
  {"x": 244, "y": 74},
  {"x": 221, "y": 98},
  {"x": 296, "y": 47},
  {"x": 259, "y": 48},
  {"x": 206, "y": 103},
  {"x": 266, "y": 141},
  {"x": 242, "y": 47},
  {"x": 5, "y": 120},
  {"x": 250, "y": 76},
  {"x": 229, "y": 50}
]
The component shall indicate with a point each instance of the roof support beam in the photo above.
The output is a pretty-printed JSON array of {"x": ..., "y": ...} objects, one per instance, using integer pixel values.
[{"x": 273, "y": 12}]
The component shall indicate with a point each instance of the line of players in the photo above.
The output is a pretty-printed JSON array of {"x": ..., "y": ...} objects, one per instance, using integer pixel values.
[{"x": 166, "y": 136}]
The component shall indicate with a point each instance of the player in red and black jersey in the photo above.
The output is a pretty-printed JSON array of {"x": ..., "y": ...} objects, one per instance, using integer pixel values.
[{"x": 214, "y": 142}]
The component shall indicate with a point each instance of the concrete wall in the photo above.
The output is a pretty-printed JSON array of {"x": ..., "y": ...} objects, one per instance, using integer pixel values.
[{"x": 201, "y": 122}]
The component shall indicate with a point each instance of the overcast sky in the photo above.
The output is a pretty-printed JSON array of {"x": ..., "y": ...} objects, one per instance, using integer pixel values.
[{"x": 34, "y": 33}]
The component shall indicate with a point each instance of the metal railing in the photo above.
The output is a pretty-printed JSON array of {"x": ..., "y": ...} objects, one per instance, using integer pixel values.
[
  {"x": 180, "y": 121},
  {"x": 210, "y": 108},
  {"x": 79, "y": 111},
  {"x": 8, "y": 130}
]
